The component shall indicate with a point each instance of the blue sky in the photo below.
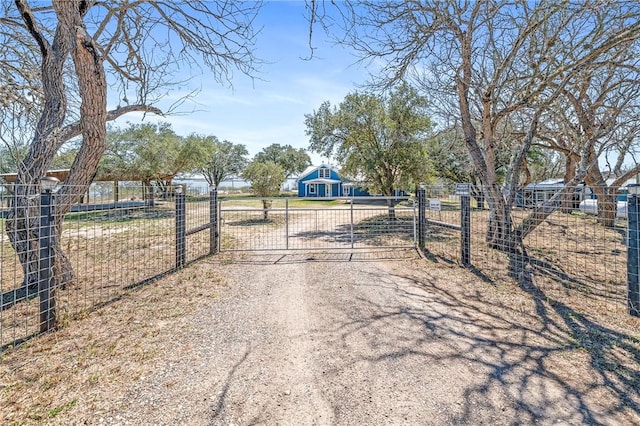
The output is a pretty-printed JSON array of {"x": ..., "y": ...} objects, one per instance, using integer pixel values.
[{"x": 271, "y": 109}]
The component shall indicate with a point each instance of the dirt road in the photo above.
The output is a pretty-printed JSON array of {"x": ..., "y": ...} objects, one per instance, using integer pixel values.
[{"x": 339, "y": 339}]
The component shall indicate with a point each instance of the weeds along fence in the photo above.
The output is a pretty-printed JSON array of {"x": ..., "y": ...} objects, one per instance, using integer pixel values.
[
  {"x": 570, "y": 257},
  {"x": 111, "y": 247}
]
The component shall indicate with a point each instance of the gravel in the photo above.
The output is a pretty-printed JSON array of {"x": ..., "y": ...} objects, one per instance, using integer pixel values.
[{"x": 288, "y": 341}]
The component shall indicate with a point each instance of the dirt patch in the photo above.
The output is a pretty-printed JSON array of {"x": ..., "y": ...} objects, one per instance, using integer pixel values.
[{"x": 355, "y": 340}]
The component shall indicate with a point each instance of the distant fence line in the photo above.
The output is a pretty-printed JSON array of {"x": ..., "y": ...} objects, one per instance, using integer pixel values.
[{"x": 115, "y": 246}]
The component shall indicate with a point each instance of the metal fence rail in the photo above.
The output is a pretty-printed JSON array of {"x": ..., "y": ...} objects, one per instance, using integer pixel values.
[
  {"x": 570, "y": 256},
  {"x": 306, "y": 224},
  {"x": 111, "y": 247}
]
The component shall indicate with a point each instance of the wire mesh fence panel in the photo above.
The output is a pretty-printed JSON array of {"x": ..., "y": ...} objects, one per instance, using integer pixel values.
[
  {"x": 384, "y": 226},
  {"x": 572, "y": 253},
  {"x": 114, "y": 249},
  {"x": 301, "y": 224},
  {"x": 252, "y": 229},
  {"x": 442, "y": 237},
  {"x": 101, "y": 250},
  {"x": 318, "y": 228},
  {"x": 197, "y": 223},
  {"x": 16, "y": 321},
  {"x": 28, "y": 244}
]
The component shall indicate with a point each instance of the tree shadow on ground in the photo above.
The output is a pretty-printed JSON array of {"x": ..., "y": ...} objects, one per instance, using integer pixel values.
[
  {"x": 253, "y": 222},
  {"x": 614, "y": 355},
  {"x": 543, "y": 268},
  {"x": 517, "y": 364},
  {"x": 378, "y": 231},
  {"x": 219, "y": 414}
]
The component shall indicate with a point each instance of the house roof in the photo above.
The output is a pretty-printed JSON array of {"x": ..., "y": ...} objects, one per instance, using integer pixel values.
[
  {"x": 59, "y": 174},
  {"x": 549, "y": 183},
  {"x": 323, "y": 180},
  {"x": 312, "y": 169}
]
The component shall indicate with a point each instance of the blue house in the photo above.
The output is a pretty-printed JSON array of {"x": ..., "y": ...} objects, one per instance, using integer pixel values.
[
  {"x": 320, "y": 181},
  {"x": 324, "y": 181}
]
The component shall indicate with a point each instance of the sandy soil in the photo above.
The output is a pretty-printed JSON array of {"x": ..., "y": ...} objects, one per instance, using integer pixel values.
[{"x": 346, "y": 338}]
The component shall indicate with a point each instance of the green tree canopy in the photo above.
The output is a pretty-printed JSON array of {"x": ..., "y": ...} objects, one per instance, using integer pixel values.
[
  {"x": 265, "y": 178},
  {"x": 292, "y": 160},
  {"x": 147, "y": 152},
  {"x": 219, "y": 160},
  {"x": 380, "y": 139}
]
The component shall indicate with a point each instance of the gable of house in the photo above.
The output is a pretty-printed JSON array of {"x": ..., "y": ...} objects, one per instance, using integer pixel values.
[
  {"x": 319, "y": 172},
  {"x": 320, "y": 181}
]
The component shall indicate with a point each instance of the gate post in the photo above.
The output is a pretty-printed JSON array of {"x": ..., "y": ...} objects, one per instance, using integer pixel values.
[
  {"x": 422, "y": 215},
  {"x": 633, "y": 252},
  {"x": 45, "y": 263},
  {"x": 213, "y": 219},
  {"x": 465, "y": 230},
  {"x": 180, "y": 226}
]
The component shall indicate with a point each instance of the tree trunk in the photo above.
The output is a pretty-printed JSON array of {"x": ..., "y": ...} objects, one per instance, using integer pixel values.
[
  {"x": 607, "y": 205},
  {"x": 266, "y": 205},
  {"x": 567, "y": 203},
  {"x": 22, "y": 224},
  {"x": 499, "y": 228},
  {"x": 391, "y": 204},
  {"x": 605, "y": 195}
]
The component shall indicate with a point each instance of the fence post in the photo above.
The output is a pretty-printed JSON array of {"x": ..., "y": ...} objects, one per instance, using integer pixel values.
[
  {"x": 180, "y": 226},
  {"x": 286, "y": 222},
  {"x": 465, "y": 229},
  {"x": 351, "y": 224},
  {"x": 633, "y": 252},
  {"x": 152, "y": 196},
  {"x": 45, "y": 265},
  {"x": 213, "y": 219},
  {"x": 422, "y": 215}
]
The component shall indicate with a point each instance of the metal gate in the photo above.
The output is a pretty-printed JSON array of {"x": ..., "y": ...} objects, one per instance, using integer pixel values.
[{"x": 316, "y": 223}]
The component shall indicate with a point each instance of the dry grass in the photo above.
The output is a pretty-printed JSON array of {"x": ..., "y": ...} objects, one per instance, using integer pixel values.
[
  {"x": 577, "y": 284},
  {"x": 115, "y": 344},
  {"x": 83, "y": 370},
  {"x": 109, "y": 251}
]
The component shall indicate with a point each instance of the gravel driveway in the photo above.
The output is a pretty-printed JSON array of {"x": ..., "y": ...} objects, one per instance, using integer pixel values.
[{"x": 343, "y": 338}]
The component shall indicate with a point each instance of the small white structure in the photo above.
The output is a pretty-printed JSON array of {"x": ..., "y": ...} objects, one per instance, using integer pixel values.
[{"x": 591, "y": 207}]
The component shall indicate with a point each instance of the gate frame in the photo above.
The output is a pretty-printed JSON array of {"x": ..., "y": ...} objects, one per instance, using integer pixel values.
[{"x": 413, "y": 208}]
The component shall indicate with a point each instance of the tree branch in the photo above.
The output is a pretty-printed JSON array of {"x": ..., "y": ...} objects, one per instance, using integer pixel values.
[
  {"x": 32, "y": 26},
  {"x": 74, "y": 129}
]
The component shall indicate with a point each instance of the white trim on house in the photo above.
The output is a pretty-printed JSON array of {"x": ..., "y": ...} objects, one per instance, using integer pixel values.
[
  {"x": 325, "y": 181},
  {"x": 312, "y": 169}
]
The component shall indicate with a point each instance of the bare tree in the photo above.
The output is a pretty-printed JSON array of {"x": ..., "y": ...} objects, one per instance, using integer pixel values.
[
  {"x": 597, "y": 115},
  {"x": 66, "y": 58},
  {"x": 491, "y": 65}
]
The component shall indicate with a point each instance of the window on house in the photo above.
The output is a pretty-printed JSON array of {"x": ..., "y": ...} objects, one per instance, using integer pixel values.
[
  {"x": 312, "y": 188},
  {"x": 324, "y": 173}
]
